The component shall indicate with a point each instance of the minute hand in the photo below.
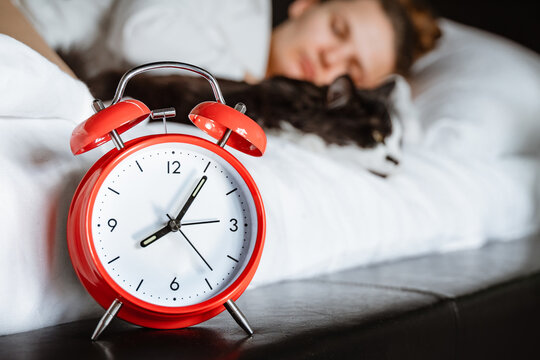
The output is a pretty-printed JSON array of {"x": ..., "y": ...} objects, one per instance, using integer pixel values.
[{"x": 190, "y": 199}]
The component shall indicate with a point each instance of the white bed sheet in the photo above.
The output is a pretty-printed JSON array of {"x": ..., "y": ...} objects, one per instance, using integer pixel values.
[{"x": 324, "y": 211}]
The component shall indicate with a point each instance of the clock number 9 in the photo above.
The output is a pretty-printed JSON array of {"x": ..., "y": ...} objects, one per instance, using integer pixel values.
[
  {"x": 175, "y": 167},
  {"x": 174, "y": 285},
  {"x": 234, "y": 224},
  {"x": 112, "y": 223}
]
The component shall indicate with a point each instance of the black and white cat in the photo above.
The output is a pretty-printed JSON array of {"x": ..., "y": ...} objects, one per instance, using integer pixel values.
[{"x": 339, "y": 114}]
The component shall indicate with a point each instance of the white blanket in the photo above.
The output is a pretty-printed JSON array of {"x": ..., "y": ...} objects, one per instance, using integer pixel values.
[{"x": 324, "y": 212}]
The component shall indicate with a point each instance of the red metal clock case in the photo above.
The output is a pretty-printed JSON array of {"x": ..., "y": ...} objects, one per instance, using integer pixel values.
[{"x": 102, "y": 287}]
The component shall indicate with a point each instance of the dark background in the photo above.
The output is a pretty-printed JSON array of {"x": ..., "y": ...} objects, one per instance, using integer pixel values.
[{"x": 518, "y": 20}]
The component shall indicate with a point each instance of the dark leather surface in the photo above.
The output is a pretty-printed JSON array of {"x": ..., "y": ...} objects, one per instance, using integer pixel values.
[{"x": 474, "y": 304}]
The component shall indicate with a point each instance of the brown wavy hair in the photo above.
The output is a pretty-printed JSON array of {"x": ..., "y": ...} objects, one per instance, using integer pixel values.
[{"x": 416, "y": 30}]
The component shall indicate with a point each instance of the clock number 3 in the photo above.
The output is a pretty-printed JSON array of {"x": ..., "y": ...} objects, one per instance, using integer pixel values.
[
  {"x": 174, "y": 285},
  {"x": 234, "y": 225},
  {"x": 173, "y": 167}
]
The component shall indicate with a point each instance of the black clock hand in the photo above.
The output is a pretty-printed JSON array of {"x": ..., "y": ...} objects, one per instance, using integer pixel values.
[
  {"x": 190, "y": 200},
  {"x": 171, "y": 226},
  {"x": 197, "y": 251},
  {"x": 200, "y": 222}
]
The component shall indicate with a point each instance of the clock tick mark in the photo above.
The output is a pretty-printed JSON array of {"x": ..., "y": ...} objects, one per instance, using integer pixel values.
[
  {"x": 230, "y": 192},
  {"x": 116, "y": 258},
  {"x": 114, "y": 191},
  {"x": 230, "y": 257},
  {"x": 139, "y": 165},
  {"x": 207, "y": 283},
  {"x": 138, "y": 286},
  {"x": 206, "y": 168}
]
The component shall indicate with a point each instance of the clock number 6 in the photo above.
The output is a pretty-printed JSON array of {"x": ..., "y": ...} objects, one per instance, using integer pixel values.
[
  {"x": 174, "y": 285},
  {"x": 112, "y": 223},
  {"x": 234, "y": 224}
]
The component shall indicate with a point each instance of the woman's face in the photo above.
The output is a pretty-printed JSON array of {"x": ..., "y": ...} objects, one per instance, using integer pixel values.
[{"x": 320, "y": 42}]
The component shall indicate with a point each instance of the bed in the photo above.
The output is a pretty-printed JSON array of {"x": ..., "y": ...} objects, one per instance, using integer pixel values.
[{"x": 472, "y": 180}]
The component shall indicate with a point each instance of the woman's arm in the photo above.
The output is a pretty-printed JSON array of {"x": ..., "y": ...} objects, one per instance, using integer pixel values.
[{"x": 13, "y": 23}]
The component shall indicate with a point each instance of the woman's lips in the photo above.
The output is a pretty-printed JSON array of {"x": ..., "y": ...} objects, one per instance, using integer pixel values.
[{"x": 308, "y": 71}]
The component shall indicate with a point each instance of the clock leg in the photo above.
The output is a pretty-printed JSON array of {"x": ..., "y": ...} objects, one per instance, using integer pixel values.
[
  {"x": 238, "y": 316},
  {"x": 106, "y": 318}
]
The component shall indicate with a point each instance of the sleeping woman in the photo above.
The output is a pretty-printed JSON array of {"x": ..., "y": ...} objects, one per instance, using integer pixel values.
[{"x": 317, "y": 42}]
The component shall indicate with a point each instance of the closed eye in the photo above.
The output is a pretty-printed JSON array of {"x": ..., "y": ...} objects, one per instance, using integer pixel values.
[{"x": 340, "y": 27}]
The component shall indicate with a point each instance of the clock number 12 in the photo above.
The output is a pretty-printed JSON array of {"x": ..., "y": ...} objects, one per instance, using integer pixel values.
[{"x": 173, "y": 167}]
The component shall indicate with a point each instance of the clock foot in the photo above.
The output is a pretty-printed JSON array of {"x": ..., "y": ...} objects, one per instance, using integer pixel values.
[
  {"x": 238, "y": 316},
  {"x": 106, "y": 318}
]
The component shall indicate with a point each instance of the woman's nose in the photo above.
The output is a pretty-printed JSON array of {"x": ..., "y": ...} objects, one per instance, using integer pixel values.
[
  {"x": 333, "y": 63},
  {"x": 332, "y": 55}
]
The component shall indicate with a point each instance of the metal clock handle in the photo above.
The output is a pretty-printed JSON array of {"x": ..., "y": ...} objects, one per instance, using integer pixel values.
[
  {"x": 167, "y": 65},
  {"x": 98, "y": 105}
]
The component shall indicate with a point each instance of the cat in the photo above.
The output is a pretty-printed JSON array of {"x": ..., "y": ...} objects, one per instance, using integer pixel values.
[{"x": 338, "y": 113}]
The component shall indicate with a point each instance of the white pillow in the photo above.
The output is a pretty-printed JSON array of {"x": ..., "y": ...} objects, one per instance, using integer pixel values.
[{"x": 478, "y": 93}]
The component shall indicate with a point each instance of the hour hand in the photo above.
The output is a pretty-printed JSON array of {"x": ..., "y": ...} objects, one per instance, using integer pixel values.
[{"x": 155, "y": 236}]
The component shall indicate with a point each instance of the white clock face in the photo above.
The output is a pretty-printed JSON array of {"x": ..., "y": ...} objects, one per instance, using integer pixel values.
[{"x": 140, "y": 248}]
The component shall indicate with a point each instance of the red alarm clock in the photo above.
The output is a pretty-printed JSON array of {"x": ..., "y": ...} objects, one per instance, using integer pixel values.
[{"x": 166, "y": 231}]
